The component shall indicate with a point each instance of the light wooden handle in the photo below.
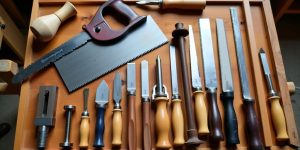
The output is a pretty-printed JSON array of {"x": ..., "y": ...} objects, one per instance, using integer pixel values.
[
  {"x": 162, "y": 123},
  {"x": 278, "y": 118},
  {"x": 44, "y": 28},
  {"x": 184, "y": 4},
  {"x": 291, "y": 87},
  {"x": 201, "y": 113},
  {"x": 84, "y": 132},
  {"x": 146, "y": 126},
  {"x": 177, "y": 122},
  {"x": 117, "y": 127},
  {"x": 65, "y": 12}
]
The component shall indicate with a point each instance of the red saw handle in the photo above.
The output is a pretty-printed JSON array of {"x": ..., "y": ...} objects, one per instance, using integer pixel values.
[{"x": 99, "y": 29}]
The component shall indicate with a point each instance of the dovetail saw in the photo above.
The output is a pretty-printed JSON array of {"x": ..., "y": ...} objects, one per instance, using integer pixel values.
[{"x": 98, "y": 49}]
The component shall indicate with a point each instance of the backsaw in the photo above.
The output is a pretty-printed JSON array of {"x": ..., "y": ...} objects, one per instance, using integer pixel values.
[{"x": 98, "y": 39}]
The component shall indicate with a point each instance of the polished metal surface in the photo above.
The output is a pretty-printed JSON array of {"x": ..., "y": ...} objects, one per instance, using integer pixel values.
[
  {"x": 174, "y": 79},
  {"x": 102, "y": 94},
  {"x": 131, "y": 83},
  {"x": 117, "y": 90},
  {"x": 240, "y": 54},
  {"x": 208, "y": 54},
  {"x": 196, "y": 80},
  {"x": 226, "y": 76},
  {"x": 145, "y": 79}
]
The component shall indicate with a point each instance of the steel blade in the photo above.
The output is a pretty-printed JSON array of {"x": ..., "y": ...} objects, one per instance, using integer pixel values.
[
  {"x": 102, "y": 94},
  {"x": 117, "y": 88},
  {"x": 94, "y": 60},
  {"x": 196, "y": 80},
  {"x": 226, "y": 76},
  {"x": 264, "y": 61},
  {"x": 131, "y": 85},
  {"x": 240, "y": 54},
  {"x": 173, "y": 71},
  {"x": 57, "y": 53},
  {"x": 145, "y": 79},
  {"x": 208, "y": 54}
]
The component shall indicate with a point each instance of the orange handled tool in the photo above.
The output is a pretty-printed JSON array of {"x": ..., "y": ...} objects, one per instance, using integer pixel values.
[{"x": 85, "y": 122}]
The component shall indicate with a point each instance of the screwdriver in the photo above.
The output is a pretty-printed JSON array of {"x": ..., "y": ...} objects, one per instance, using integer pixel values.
[
  {"x": 179, "y": 4},
  {"x": 85, "y": 125}
]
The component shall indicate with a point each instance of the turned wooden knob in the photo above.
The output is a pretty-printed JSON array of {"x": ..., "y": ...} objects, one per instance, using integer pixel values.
[
  {"x": 291, "y": 87},
  {"x": 44, "y": 28}
]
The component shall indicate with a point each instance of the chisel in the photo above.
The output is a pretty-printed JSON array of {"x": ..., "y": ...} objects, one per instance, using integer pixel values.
[
  {"x": 162, "y": 119},
  {"x": 146, "y": 105},
  {"x": 117, "y": 124},
  {"x": 210, "y": 75},
  {"x": 131, "y": 88},
  {"x": 101, "y": 100},
  {"x": 178, "y": 4},
  {"x": 276, "y": 109},
  {"x": 252, "y": 125},
  {"x": 84, "y": 124},
  {"x": 177, "y": 115},
  {"x": 227, "y": 95},
  {"x": 200, "y": 108}
]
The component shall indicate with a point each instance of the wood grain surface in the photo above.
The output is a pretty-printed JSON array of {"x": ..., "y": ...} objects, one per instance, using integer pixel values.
[{"x": 257, "y": 28}]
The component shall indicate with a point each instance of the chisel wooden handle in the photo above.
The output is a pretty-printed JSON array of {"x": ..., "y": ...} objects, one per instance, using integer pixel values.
[
  {"x": 278, "y": 118},
  {"x": 230, "y": 121},
  {"x": 184, "y": 4},
  {"x": 214, "y": 117},
  {"x": 162, "y": 123},
  {"x": 131, "y": 123},
  {"x": 177, "y": 122},
  {"x": 99, "y": 128},
  {"x": 201, "y": 113},
  {"x": 146, "y": 126},
  {"x": 84, "y": 131},
  {"x": 117, "y": 127},
  {"x": 252, "y": 126}
]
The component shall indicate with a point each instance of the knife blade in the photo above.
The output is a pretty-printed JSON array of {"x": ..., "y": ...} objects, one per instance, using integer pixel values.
[
  {"x": 252, "y": 126},
  {"x": 117, "y": 115},
  {"x": 146, "y": 105},
  {"x": 278, "y": 117},
  {"x": 227, "y": 95},
  {"x": 97, "y": 29},
  {"x": 200, "y": 108},
  {"x": 177, "y": 115},
  {"x": 101, "y": 100},
  {"x": 214, "y": 118},
  {"x": 131, "y": 88}
]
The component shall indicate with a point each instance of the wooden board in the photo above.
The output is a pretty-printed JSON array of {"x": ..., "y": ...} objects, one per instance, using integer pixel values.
[{"x": 258, "y": 31}]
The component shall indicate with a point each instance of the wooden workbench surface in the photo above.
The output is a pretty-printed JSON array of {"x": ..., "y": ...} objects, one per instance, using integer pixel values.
[{"x": 258, "y": 31}]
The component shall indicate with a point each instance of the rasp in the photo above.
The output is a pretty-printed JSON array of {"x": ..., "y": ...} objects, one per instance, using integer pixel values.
[
  {"x": 210, "y": 75},
  {"x": 227, "y": 95},
  {"x": 117, "y": 112},
  {"x": 252, "y": 126},
  {"x": 94, "y": 59},
  {"x": 177, "y": 115},
  {"x": 276, "y": 109},
  {"x": 146, "y": 105},
  {"x": 101, "y": 100},
  {"x": 200, "y": 108},
  {"x": 131, "y": 88}
]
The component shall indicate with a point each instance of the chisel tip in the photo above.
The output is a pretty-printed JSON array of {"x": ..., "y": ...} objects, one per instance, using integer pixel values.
[{"x": 261, "y": 50}]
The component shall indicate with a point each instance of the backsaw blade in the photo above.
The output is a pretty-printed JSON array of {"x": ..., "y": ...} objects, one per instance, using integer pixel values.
[{"x": 94, "y": 60}]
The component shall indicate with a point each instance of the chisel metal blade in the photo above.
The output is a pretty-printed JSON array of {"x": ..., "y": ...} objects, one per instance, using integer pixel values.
[
  {"x": 117, "y": 89},
  {"x": 174, "y": 81},
  {"x": 145, "y": 80},
  {"x": 102, "y": 94},
  {"x": 196, "y": 80},
  {"x": 64, "y": 49}
]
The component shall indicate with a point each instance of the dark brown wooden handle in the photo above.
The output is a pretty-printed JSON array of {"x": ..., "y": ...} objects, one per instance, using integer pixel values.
[
  {"x": 214, "y": 117},
  {"x": 253, "y": 128},
  {"x": 131, "y": 122},
  {"x": 146, "y": 125}
]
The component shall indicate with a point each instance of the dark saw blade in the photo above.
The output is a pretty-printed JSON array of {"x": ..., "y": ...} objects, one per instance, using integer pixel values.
[
  {"x": 94, "y": 60},
  {"x": 53, "y": 56}
]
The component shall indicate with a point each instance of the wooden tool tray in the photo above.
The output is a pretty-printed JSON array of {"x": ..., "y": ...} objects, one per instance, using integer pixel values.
[{"x": 258, "y": 31}]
